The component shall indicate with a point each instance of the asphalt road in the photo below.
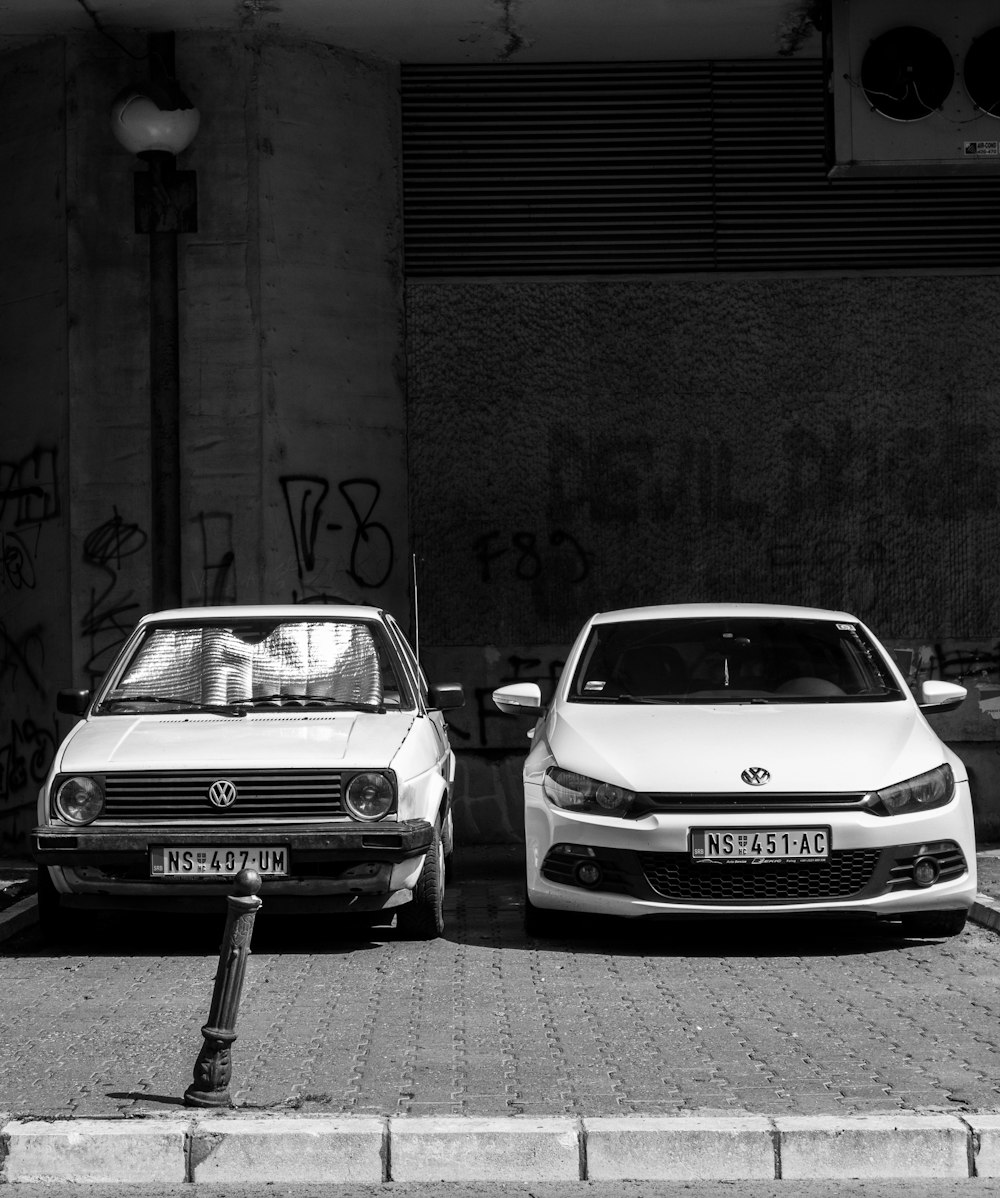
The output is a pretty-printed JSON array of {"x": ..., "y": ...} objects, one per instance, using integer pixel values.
[{"x": 750, "y": 1017}]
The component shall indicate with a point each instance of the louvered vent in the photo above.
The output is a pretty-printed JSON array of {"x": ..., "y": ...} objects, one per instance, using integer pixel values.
[{"x": 659, "y": 168}]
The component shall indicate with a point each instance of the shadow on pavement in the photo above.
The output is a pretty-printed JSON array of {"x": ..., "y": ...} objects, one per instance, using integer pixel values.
[{"x": 484, "y": 906}]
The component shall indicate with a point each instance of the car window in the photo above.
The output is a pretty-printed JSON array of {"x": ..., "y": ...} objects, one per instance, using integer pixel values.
[
  {"x": 410, "y": 658},
  {"x": 260, "y": 663},
  {"x": 735, "y": 660}
]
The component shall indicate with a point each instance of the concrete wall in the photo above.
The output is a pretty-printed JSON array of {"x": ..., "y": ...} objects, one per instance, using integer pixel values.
[
  {"x": 292, "y": 420},
  {"x": 571, "y": 445},
  {"x": 34, "y": 448},
  {"x": 827, "y": 441}
]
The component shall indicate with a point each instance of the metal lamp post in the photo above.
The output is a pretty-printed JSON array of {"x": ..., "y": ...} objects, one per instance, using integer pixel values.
[{"x": 157, "y": 121}]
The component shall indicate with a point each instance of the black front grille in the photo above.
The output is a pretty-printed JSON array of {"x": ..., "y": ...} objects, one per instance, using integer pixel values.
[
  {"x": 749, "y": 800},
  {"x": 178, "y": 795},
  {"x": 843, "y": 875}
]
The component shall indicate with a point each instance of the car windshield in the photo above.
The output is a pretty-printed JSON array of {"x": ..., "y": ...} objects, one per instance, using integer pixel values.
[
  {"x": 739, "y": 660},
  {"x": 249, "y": 665}
]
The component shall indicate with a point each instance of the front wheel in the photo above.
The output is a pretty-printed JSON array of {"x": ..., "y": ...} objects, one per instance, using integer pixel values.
[
  {"x": 930, "y": 925},
  {"x": 423, "y": 917},
  {"x": 448, "y": 840}
]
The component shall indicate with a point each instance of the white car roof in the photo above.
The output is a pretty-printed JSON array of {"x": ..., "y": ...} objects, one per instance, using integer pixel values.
[
  {"x": 269, "y": 611},
  {"x": 687, "y": 611}
]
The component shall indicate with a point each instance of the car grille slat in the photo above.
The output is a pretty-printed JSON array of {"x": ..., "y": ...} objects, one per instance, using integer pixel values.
[
  {"x": 290, "y": 794},
  {"x": 751, "y": 801},
  {"x": 675, "y": 876}
]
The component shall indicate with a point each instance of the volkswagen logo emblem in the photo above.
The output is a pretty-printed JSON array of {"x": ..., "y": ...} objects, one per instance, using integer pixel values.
[
  {"x": 754, "y": 775},
  {"x": 222, "y": 793}
]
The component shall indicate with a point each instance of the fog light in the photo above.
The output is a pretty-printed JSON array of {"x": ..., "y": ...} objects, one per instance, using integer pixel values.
[
  {"x": 587, "y": 873},
  {"x": 926, "y": 871}
]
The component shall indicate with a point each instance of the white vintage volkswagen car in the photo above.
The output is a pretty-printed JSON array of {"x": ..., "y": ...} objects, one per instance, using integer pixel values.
[
  {"x": 301, "y": 742},
  {"x": 732, "y": 759}
]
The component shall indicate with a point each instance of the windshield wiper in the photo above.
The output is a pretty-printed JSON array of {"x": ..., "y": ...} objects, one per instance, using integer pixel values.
[
  {"x": 233, "y": 709},
  {"x": 294, "y": 697}
]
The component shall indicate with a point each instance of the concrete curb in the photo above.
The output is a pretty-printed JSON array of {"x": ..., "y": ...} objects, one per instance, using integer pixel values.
[
  {"x": 986, "y": 912},
  {"x": 18, "y": 916},
  {"x": 226, "y": 1147}
]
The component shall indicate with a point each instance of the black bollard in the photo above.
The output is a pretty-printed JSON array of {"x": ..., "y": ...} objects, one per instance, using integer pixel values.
[{"x": 214, "y": 1068}]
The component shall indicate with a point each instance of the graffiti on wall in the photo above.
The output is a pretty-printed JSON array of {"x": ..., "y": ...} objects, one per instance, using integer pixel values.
[
  {"x": 29, "y": 493},
  {"x": 491, "y": 728},
  {"x": 29, "y": 499},
  {"x": 112, "y": 609},
  {"x": 336, "y": 534},
  {"x": 29, "y": 503},
  {"x": 218, "y": 558},
  {"x": 25, "y": 756},
  {"x": 959, "y": 662},
  {"x": 17, "y": 562},
  {"x": 527, "y": 555},
  {"x": 22, "y": 657}
]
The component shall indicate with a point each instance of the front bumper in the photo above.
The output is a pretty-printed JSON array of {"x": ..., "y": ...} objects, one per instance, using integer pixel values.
[
  {"x": 355, "y": 867},
  {"x": 862, "y": 878},
  {"x": 645, "y": 867}
]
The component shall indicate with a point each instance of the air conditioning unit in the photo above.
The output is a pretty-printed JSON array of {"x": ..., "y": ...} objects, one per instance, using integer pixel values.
[{"x": 915, "y": 87}]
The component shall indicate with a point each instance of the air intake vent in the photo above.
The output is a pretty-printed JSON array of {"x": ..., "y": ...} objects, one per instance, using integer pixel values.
[
  {"x": 558, "y": 168},
  {"x": 638, "y": 168}
]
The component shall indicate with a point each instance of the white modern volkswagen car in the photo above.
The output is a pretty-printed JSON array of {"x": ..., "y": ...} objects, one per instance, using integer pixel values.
[
  {"x": 302, "y": 742},
  {"x": 736, "y": 759}
]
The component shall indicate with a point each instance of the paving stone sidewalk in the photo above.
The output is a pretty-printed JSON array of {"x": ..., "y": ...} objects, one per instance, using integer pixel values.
[
  {"x": 758, "y": 1017},
  {"x": 756, "y": 1050}
]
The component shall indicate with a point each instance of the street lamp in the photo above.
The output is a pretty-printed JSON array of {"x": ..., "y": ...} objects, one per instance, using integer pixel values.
[{"x": 156, "y": 121}]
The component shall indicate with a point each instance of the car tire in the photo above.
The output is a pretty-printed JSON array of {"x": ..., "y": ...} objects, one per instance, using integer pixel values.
[
  {"x": 539, "y": 922},
  {"x": 423, "y": 917},
  {"x": 934, "y": 924},
  {"x": 448, "y": 837}
]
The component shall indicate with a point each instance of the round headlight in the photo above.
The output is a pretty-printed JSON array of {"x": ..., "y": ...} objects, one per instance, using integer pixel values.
[
  {"x": 80, "y": 800},
  {"x": 369, "y": 796},
  {"x": 613, "y": 798}
]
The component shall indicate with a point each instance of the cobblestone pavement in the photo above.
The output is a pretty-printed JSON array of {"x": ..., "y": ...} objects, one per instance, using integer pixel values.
[{"x": 750, "y": 1017}]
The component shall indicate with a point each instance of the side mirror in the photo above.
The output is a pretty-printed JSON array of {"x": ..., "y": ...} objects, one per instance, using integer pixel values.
[
  {"x": 938, "y": 697},
  {"x": 519, "y": 698},
  {"x": 443, "y": 696},
  {"x": 73, "y": 702}
]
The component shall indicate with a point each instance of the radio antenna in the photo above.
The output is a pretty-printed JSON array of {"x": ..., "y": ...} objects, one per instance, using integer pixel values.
[{"x": 416, "y": 609}]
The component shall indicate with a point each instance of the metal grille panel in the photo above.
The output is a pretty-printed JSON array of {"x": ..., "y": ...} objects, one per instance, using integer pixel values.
[
  {"x": 289, "y": 794},
  {"x": 742, "y": 802},
  {"x": 842, "y": 875},
  {"x": 659, "y": 168},
  {"x": 554, "y": 168}
]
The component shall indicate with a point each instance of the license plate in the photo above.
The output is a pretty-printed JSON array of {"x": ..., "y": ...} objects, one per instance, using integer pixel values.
[
  {"x": 214, "y": 862},
  {"x": 760, "y": 844}
]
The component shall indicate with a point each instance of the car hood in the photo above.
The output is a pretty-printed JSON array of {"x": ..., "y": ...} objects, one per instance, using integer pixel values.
[
  {"x": 804, "y": 747},
  {"x": 285, "y": 741}
]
